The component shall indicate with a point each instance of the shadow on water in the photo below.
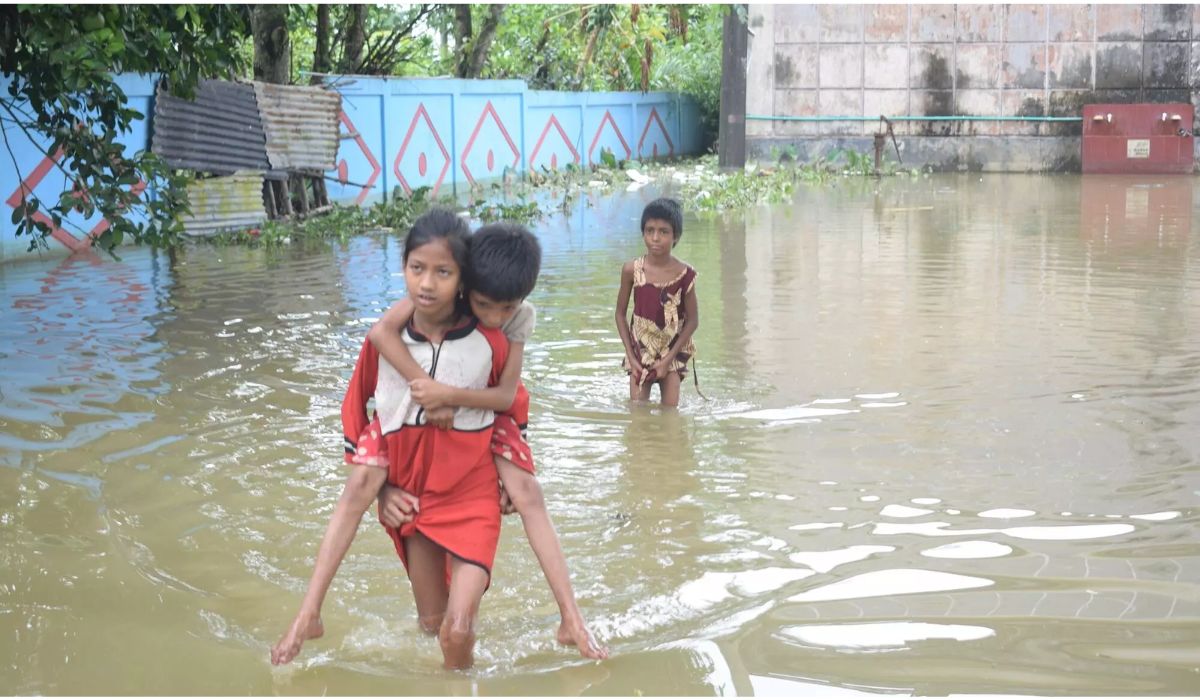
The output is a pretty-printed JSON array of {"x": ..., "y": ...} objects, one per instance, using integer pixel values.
[{"x": 949, "y": 447}]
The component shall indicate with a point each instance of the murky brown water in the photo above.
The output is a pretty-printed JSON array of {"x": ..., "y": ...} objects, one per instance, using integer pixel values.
[{"x": 951, "y": 447}]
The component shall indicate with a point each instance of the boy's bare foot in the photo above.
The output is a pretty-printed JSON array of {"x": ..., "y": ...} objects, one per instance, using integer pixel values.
[
  {"x": 303, "y": 628},
  {"x": 578, "y": 635}
]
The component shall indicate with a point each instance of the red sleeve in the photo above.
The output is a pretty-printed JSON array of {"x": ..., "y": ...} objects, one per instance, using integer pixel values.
[
  {"x": 499, "y": 343},
  {"x": 360, "y": 390}
]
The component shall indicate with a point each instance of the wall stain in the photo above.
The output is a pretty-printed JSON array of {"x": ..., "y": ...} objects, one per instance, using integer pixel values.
[
  {"x": 939, "y": 103},
  {"x": 783, "y": 69},
  {"x": 936, "y": 74},
  {"x": 1169, "y": 67},
  {"x": 1031, "y": 107}
]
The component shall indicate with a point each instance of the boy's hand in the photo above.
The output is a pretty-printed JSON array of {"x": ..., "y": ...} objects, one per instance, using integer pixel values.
[
  {"x": 440, "y": 417},
  {"x": 429, "y": 393},
  {"x": 396, "y": 506},
  {"x": 506, "y": 504}
]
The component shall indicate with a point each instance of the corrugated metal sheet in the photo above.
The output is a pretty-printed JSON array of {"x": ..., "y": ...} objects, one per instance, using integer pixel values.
[
  {"x": 223, "y": 203},
  {"x": 301, "y": 125},
  {"x": 220, "y": 132}
]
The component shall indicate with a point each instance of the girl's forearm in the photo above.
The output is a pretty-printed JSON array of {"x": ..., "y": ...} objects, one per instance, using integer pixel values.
[
  {"x": 685, "y": 336},
  {"x": 626, "y": 335}
]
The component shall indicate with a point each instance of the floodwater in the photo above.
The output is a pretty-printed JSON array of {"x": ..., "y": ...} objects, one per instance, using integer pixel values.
[{"x": 950, "y": 445}]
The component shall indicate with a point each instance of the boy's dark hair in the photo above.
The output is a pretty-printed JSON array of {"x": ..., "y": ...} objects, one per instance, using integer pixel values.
[
  {"x": 445, "y": 224},
  {"x": 505, "y": 261},
  {"x": 665, "y": 209}
]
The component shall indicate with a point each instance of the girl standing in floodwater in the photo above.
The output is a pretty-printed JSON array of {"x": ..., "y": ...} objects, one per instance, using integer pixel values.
[
  {"x": 449, "y": 543},
  {"x": 666, "y": 312}
]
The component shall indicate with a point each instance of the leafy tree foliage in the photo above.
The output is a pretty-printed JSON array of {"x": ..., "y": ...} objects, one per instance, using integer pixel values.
[
  {"x": 551, "y": 47},
  {"x": 60, "y": 63},
  {"x": 614, "y": 47},
  {"x": 361, "y": 39}
]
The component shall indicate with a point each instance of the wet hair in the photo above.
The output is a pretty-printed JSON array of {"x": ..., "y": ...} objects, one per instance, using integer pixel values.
[
  {"x": 439, "y": 223},
  {"x": 665, "y": 209},
  {"x": 505, "y": 261}
]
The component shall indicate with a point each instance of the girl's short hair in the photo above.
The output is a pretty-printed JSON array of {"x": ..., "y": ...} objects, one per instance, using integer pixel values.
[
  {"x": 665, "y": 209},
  {"x": 439, "y": 223}
]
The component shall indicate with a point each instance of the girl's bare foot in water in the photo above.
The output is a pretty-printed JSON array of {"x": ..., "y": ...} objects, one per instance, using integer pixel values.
[
  {"x": 304, "y": 628},
  {"x": 579, "y": 636}
]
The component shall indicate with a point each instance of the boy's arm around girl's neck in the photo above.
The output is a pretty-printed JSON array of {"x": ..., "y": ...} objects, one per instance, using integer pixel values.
[{"x": 385, "y": 335}]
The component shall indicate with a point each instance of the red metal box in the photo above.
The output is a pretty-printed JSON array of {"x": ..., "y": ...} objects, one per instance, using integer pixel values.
[{"x": 1137, "y": 138}]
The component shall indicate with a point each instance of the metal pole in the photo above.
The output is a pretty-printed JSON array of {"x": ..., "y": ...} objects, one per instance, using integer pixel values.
[{"x": 731, "y": 132}]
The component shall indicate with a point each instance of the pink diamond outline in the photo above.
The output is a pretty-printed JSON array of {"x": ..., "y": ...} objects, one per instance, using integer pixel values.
[
  {"x": 488, "y": 109},
  {"x": 553, "y": 121},
  {"x": 404, "y": 146},
  {"x": 68, "y": 241},
  {"x": 376, "y": 169},
  {"x": 608, "y": 117},
  {"x": 662, "y": 127}
]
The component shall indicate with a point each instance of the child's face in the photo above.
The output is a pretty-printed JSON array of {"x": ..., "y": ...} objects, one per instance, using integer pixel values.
[
  {"x": 659, "y": 236},
  {"x": 492, "y": 313},
  {"x": 433, "y": 278}
]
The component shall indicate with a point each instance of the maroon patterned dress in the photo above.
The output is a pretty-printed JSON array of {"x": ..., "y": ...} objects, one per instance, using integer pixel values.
[{"x": 658, "y": 316}]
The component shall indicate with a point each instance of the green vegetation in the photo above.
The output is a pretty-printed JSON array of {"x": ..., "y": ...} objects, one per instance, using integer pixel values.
[
  {"x": 394, "y": 216},
  {"x": 702, "y": 186},
  {"x": 60, "y": 61}
]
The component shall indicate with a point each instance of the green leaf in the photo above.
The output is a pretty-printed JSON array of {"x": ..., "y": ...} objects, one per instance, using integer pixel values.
[{"x": 92, "y": 22}]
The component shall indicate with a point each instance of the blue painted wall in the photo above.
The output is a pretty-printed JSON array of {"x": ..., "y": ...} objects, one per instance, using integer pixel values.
[
  {"x": 43, "y": 178},
  {"x": 449, "y": 134},
  {"x": 407, "y": 133}
]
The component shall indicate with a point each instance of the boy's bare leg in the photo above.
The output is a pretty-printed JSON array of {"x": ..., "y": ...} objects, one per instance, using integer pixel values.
[
  {"x": 427, "y": 572},
  {"x": 457, "y": 635},
  {"x": 669, "y": 389},
  {"x": 357, "y": 495},
  {"x": 526, "y": 495},
  {"x": 306, "y": 626}
]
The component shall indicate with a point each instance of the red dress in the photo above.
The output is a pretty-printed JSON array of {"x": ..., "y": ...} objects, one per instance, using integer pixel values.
[
  {"x": 450, "y": 471},
  {"x": 658, "y": 316}
]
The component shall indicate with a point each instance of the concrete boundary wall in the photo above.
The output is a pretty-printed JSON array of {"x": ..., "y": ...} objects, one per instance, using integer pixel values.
[
  {"x": 402, "y": 134},
  {"x": 980, "y": 60},
  {"x": 448, "y": 134}
]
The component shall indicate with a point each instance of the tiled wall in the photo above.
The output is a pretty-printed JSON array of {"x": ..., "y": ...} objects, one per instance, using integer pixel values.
[{"x": 994, "y": 60}]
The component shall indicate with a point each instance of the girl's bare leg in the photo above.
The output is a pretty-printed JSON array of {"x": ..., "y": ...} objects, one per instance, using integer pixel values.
[
  {"x": 457, "y": 635},
  {"x": 669, "y": 389},
  {"x": 427, "y": 572},
  {"x": 526, "y": 494},
  {"x": 638, "y": 392}
]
